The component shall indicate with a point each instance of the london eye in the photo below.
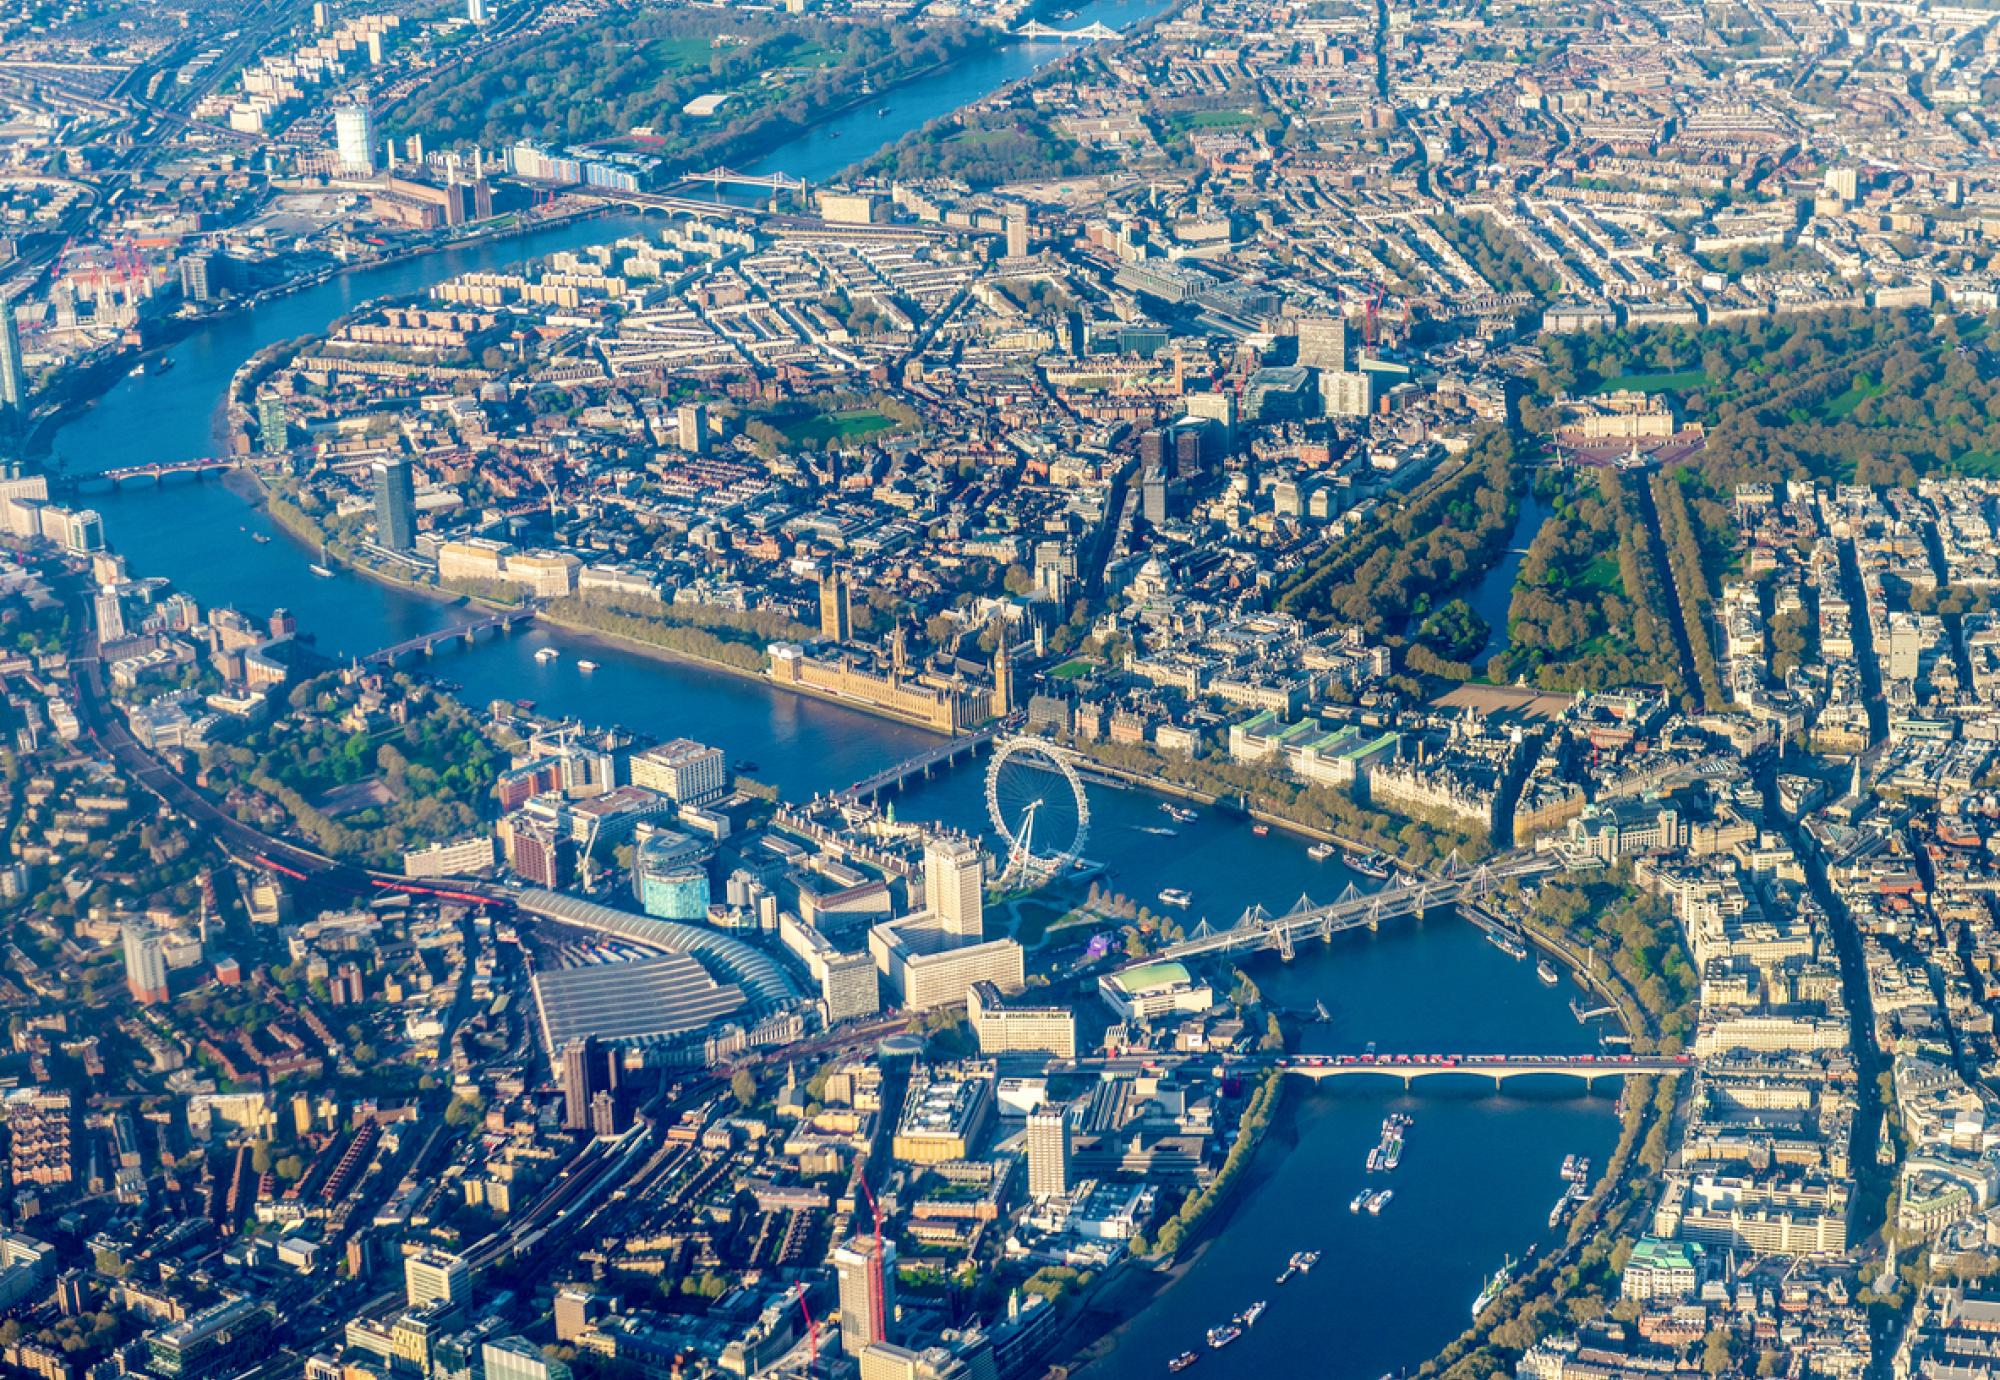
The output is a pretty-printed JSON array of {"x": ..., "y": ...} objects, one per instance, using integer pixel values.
[{"x": 1037, "y": 805}]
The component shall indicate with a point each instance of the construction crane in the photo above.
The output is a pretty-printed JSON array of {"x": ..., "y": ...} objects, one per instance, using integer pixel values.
[
  {"x": 877, "y": 1310},
  {"x": 812, "y": 1330},
  {"x": 1371, "y": 323}
]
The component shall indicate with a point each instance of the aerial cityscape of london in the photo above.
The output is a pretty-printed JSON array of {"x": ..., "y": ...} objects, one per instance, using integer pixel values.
[{"x": 973, "y": 690}]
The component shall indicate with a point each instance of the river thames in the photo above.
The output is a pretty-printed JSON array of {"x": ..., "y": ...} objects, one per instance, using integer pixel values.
[{"x": 1480, "y": 1172}]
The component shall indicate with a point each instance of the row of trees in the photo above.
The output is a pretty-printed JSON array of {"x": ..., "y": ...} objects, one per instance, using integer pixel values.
[
  {"x": 1642, "y": 940},
  {"x": 1690, "y": 567},
  {"x": 1500, "y": 258},
  {"x": 1449, "y": 531},
  {"x": 1196, "y": 1207},
  {"x": 1638, "y": 936},
  {"x": 728, "y": 637},
  {"x": 1555, "y": 1298},
  {"x": 1420, "y": 842}
]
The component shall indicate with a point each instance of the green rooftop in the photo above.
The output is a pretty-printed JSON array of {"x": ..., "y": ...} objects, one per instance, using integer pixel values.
[{"x": 1152, "y": 975}]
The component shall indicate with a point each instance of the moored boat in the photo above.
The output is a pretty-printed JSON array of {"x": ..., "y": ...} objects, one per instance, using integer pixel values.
[
  {"x": 1367, "y": 864},
  {"x": 1220, "y": 1337},
  {"x": 1320, "y": 852},
  {"x": 1380, "y": 1201},
  {"x": 1495, "y": 1282},
  {"x": 1182, "y": 1361},
  {"x": 1174, "y": 896}
]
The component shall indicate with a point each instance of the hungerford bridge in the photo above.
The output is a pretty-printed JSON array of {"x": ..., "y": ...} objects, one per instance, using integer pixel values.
[
  {"x": 1498, "y": 1067},
  {"x": 1355, "y": 909}
]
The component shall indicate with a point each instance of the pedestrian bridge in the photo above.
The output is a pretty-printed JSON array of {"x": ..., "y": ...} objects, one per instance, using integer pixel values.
[
  {"x": 1354, "y": 909},
  {"x": 1498, "y": 1067}
]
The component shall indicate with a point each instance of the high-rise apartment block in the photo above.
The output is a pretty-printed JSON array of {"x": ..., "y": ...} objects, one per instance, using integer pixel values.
[
  {"x": 395, "y": 505},
  {"x": 1048, "y": 1154},
  {"x": 867, "y": 1292}
]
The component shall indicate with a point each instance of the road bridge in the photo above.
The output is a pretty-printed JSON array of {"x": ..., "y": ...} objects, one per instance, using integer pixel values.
[
  {"x": 718, "y": 178},
  {"x": 1090, "y": 33},
  {"x": 504, "y": 621},
  {"x": 1498, "y": 1067},
  {"x": 774, "y": 220},
  {"x": 1354, "y": 909},
  {"x": 893, "y": 777},
  {"x": 158, "y": 472}
]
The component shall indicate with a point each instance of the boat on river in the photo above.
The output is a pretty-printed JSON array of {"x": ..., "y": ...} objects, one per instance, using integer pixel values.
[
  {"x": 1507, "y": 943},
  {"x": 586, "y": 665},
  {"x": 1495, "y": 1283},
  {"x": 1320, "y": 852},
  {"x": 1546, "y": 971},
  {"x": 1303, "y": 1261},
  {"x": 260, "y": 539},
  {"x": 1174, "y": 896},
  {"x": 320, "y": 570},
  {"x": 1360, "y": 1201},
  {"x": 1380, "y": 1201},
  {"x": 547, "y": 654},
  {"x": 1374, "y": 865},
  {"x": 1248, "y": 1317},
  {"x": 1182, "y": 1361},
  {"x": 1220, "y": 1337}
]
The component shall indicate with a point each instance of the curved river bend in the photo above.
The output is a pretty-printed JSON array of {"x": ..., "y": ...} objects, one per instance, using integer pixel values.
[{"x": 1480, "y": 1172}]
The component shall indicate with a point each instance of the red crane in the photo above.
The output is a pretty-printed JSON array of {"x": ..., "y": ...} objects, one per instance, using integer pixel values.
[
  {"x": 812, "y": 1330},
  {"x": 1371, "y": 324},
  {"x": 879, "y": 1315}
]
